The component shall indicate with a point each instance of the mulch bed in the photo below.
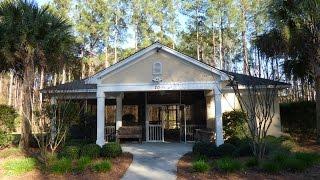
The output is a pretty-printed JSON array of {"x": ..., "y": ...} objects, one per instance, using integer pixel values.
[
  {"x": 185, "y": 171},
  {"x": 119, "y": 167}
]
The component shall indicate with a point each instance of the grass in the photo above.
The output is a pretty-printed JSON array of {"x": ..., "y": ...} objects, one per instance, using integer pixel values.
[
  {"x": 60, "y": 166},
  {"x": 82, "y": 164},
  {"x": 271, "y": 167},
  {"x": 103, "y": 166},
  {"x": 229, "y": 165},
  {"x": 200, "y": 166},
  {"x": 19, "y": 166},
  {"x": 252, "y": 162},
  {"x": 9, "y": 152}
]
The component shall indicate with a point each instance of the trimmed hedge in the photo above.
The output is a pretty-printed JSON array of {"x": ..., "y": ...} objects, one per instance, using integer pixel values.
[
  {"x": 111, "y": 149},
  {"x": 298, "y": 116},
  {"x": 205, "y": 149},
  {"x": 90, "y": 150},
  {"x": 70, "y": 152},
  {"x": 226, "y": 149}
]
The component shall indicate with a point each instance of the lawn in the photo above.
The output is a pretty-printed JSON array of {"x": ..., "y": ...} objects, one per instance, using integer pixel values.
[
  {"x": 299, "y": 162},
  {"x": 72, "y": 162}
]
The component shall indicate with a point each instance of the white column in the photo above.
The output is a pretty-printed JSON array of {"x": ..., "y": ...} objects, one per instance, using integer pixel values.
[
  {"x": 146, "y": 113},
  {"x": 100, "y": 119},
  {"x": 119, "y": 112},
  {"x": 218, "y": 120},
  {"x": 210, "y": 109}
]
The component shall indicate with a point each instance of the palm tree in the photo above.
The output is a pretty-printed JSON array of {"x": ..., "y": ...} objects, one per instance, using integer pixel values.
[{"x": 29, "y": 35}]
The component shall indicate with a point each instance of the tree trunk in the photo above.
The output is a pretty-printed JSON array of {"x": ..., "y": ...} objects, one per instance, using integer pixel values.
[
  {"x": 317, "y": 87},
  {"x": 245, "y": 53},
  {"x": 83, "y": 70},
  {"x": 10, "y": 89},
  {"x": 106, "y": 62},
  {"x": 116, "y": 42},
  {"x": 1, "y": 81},
  {"x": 28, "y": 77},
  {"x": 41, "y": 87},
  {"x": 213, "y": 60},
  {"x": 64, "y": 74}
]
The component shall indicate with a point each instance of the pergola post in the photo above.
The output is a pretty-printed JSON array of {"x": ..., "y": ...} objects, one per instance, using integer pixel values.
[
  {"x": 100, "y": 118},
  {"x": 218, "y": 115}
]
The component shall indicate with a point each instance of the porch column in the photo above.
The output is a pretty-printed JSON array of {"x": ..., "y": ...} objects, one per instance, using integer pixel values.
[
  {"x": 218, "y": 114},
  {"x": 210, "y": 109},
  {"x": 100, "y": 119},
  {"x": 119, "y": 111}
]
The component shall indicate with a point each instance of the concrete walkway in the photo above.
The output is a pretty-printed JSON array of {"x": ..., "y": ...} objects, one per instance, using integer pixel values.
[{"x": 154, "y": 160}]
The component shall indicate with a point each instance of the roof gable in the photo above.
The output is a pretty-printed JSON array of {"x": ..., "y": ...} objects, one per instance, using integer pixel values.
[{"x": 95, "y": 79}]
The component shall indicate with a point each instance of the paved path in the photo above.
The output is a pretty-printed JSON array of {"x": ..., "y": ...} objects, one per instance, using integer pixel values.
[{"x": 154, "y": 160}]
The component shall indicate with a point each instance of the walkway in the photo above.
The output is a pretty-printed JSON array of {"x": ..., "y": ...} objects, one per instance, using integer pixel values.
[{"x": 154, "y": 160}]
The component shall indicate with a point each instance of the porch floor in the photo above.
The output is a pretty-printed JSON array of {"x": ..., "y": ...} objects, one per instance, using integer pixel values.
[{"x": 155, "y": 160}]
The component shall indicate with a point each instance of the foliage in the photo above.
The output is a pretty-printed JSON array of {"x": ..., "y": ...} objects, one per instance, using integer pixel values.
[
  {"x": 71, "y": 152},
  {"x": 298, "y": 117},
  {"x": 226, "y": 149},
  {"x": 7, "y": 124},
  {"x": 111, "y": 149},
  {"x": 270, "y": 166},
  {"x": 7, "y": 118},
  {"x": 252, "y": 162},
  {"x": 90, "y": 150},
  {"x": 19, "y": 166},
  {"x": 103, "y": 166},
  {"x": 234, "y": 124},
  {"x": 200, "y": 166},
  {"x": 229, "y": 165},
  {"x": 244, "y": 149},
  {"x": 61, "y": 166},
  {"x": 205, "y": 149},
  {"x": 82, "y": 164},
  {"x": 309, "y": 158}
]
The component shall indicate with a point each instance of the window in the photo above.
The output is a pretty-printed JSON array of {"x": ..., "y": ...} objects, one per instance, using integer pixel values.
[{"x": 157, "y": 68}]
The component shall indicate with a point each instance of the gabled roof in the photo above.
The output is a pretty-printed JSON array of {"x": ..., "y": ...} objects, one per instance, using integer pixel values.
[
  {"x": 155, "y": 46},
  {"x": 90, "y": 84}
]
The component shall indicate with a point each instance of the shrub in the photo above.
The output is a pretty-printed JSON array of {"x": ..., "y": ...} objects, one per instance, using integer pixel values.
[
  {"x": 205, "y": 149},
  {"x": 226, "y": 149},
  {"x": 294, "y": 164},
  {"x": 308, "y": 158},
  {"x": 111, "y": 149},
  {"x": 19, "y": 166},
  {"x": 60, "y": 166},
  {"x": 7, "y": 124},
  {"x": 271, "y": 167},
  {"x": 91, "y": 150},
  {"x": 234, "y": 124},
  {"x": 229, "y": 165},
  {"x": 234, "y": 140},
  {"x": 280, "y": 157},
  {"x": 244, "y": 149},
  {"x": 82, "y": 164},
  {"x": 71, "y": 152},
  {"x": 252, "y": 162},
  {"x": 103, "y": 166},
  {"x": 200, "y": 166}
]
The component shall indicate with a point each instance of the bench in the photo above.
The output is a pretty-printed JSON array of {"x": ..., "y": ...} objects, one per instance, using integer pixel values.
[{"x": 129, "y": 132}]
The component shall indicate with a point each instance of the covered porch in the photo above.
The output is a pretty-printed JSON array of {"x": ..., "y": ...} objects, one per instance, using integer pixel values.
[{"x": 162, "y": 115}]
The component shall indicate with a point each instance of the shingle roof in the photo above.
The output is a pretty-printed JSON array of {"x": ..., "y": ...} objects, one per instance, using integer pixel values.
[
  {"x": 251, "y": 80},
  {"x": 79, "y": 85}
]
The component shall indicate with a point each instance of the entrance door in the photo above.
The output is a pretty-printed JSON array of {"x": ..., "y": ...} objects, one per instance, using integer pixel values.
[{"x": 165, "y": 123}]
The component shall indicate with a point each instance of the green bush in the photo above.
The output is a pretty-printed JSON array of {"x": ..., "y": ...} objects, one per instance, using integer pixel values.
[
  {"x": 226, "y": 149},
  {"x": 229, "y": 165},
  {"x": 91, "y": 150},
  {"x": 298, "y": 117},
  {"x": 235, "y": 141},
  {"x": 60, "y": 166},
  {"x": 103, "y": 166},
  {"x": 234, "y": 124},
  {"x": 111, "y": 149},
  {"x": 244, "y": 149},
  {"x": 71, "y": 152},
  {"x": 309, "y": 158},
  {"x": 82, "y": 164},
  {"x": 271, "y": 167},
  {"x": 252, "y": 162},
  {"x": 200, "y": 166},
  {"x": 205, "y": 149},
  {"x": 294, "y": 164},
  {"x": 19, "y": 166},
  {"x": 7, "y": 124}
]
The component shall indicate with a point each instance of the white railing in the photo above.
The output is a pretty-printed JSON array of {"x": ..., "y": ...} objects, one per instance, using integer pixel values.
[
  {"x": 156, "y": 133},
  {"x": 190, "y": 130},
  {"x": 110, "y": 129}
]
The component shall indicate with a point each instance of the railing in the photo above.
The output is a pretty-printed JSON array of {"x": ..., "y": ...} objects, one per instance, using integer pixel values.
[
  {"x": 110, "y": 129},
  {"x": 191, "y": 131},
  {"x": 156, "y": 133}
]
